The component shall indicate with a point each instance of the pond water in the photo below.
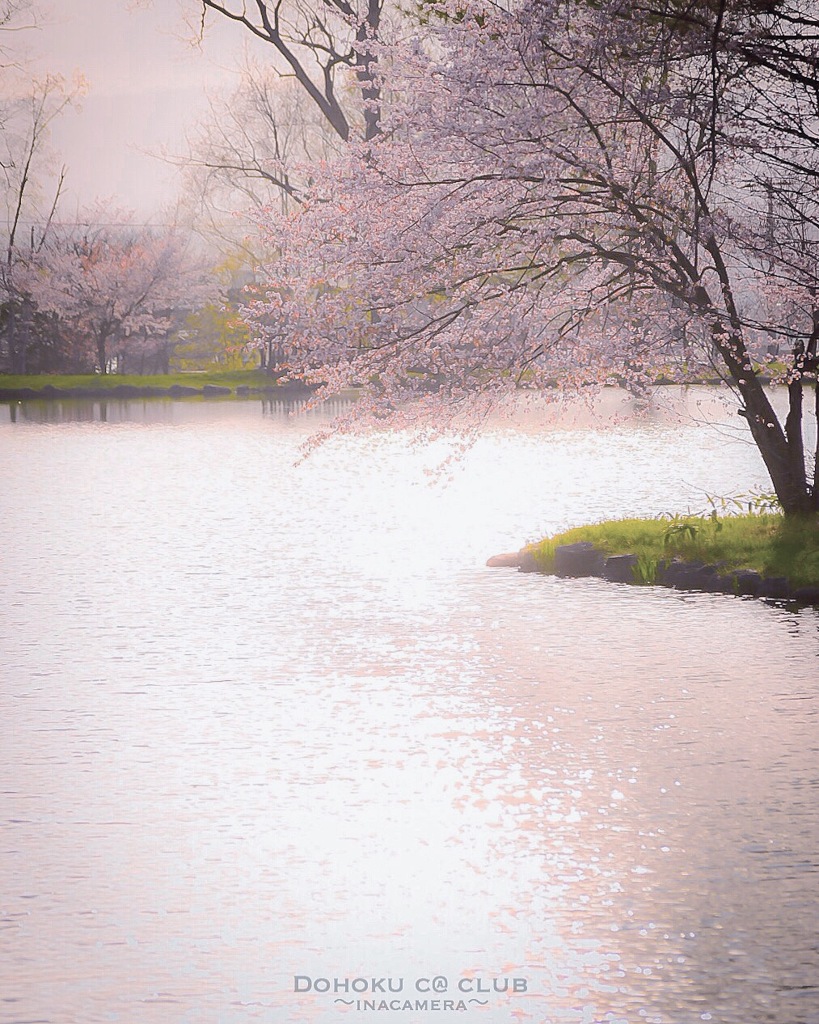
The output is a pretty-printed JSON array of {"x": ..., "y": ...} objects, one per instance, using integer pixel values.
[{"x": 268, "y": 722}]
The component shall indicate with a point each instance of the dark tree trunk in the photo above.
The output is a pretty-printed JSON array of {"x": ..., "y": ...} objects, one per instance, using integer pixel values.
[
  {"x": 793, "y": 421},
  {"x": 366, "y": 71},
  {"x": 812, "y": 367},
  {"x": 102, "y": 357},
  {"x": 24, "y": 339},
  {"x": 18, "y": 337},
  {"x": 786, "y": 470},
  {"x": 787, "y": 476},
  {"x": 779, "y": 455},
  {"x": 11, "y": 335},
  {"x": 815, "y": 494}
]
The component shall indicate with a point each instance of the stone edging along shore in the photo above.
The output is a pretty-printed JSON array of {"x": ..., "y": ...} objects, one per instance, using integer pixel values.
[{"x": 585, "y": 560}]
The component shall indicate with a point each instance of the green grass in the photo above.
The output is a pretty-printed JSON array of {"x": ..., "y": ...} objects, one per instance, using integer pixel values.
[
  {"x": 107, "y": 382},
  {"x": 768, "y": 543}
]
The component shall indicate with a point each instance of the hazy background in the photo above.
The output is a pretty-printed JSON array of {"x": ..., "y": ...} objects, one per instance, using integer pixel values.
[{"x": 148, "y": 83}]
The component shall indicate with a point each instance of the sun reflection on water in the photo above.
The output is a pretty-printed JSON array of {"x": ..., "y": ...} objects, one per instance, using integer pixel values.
[{"x": 268, "y": 721}]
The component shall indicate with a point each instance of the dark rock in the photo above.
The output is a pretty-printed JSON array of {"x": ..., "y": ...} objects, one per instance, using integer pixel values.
[
  {"x": 215, "y": 389},
  {"x": 715, "y": 582},
  {"x": 672, "y": 573},
  {"x": 662, "y": 568},
  {"x": 243, "y": 389},
  {"x": 620, "y": 568},
  {"x": 774, "y": 586},
  {"x": 696, "y": 577},
  {"x": 509, "y": 560},
  {"x": 719, "y": 584},
  {"x": 746, "y": 582},
  {"x": 806, "y": 595},
  {"x": 581, "y": 559},
  {"x": 182, "y": 389},
  {"x": 15, "y": 394}
]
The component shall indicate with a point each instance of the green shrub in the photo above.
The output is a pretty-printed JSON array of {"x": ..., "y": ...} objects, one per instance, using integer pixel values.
[{"x": 645, "y": 571}]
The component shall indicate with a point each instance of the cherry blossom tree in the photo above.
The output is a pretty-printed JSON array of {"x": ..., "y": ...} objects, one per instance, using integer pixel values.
[
  {"x": 31, "y": 192},
  {"x": 118, "y": 286},
  {"x": 564, "y": 195}
]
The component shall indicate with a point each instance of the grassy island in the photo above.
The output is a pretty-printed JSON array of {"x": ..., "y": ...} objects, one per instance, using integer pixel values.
[{"x": 769, "y": 543}]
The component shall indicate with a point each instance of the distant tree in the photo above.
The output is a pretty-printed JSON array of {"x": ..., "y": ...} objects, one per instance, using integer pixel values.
[
  {"x": 31, "y": 188},
  {"x": 214, "y": 336},
  {"x": 15, "y": 17},
  {"x": 119, "y": 288},
  {"x": 31, "y": 194},
  {"x": 253, "y": 150}
]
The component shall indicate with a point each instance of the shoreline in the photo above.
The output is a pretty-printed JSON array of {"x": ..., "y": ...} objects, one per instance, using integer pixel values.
[
  {"x": 191, "y": 384},
  {"x": 760, "y": 554},
  {"x": 584, "y": 561},
  {"x": 50, "y": 392}
]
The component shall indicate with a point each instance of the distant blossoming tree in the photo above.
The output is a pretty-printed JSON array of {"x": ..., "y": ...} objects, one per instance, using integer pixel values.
[
  {"x": 568, "y": 194},
  {"x": 28, "y": 108},
  {"x": 117, "y": 285}
]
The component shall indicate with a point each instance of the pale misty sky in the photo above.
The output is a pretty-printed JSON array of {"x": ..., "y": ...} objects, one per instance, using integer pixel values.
[{"x": 147, "y": 86}]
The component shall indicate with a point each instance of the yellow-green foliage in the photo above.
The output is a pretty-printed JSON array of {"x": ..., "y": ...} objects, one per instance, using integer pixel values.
[
  {"x": 215, "y": 337},
  {"x": 769, "y": 543}
]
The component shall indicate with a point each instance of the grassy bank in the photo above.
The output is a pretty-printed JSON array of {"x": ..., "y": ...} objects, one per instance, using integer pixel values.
[
  {"x": 49, "y": 385},
  {"x": 769, "y": 543}
]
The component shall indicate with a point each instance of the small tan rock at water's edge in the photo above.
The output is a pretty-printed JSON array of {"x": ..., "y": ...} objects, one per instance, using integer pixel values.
[{"x": 511, "y": 560}]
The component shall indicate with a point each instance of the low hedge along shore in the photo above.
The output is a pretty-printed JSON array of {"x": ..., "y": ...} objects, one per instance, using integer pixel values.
[{"x": 758, "y": 555}]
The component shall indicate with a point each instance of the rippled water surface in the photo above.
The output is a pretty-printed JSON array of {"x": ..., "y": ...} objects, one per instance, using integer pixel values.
[{"x": 265, "y": 721}]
